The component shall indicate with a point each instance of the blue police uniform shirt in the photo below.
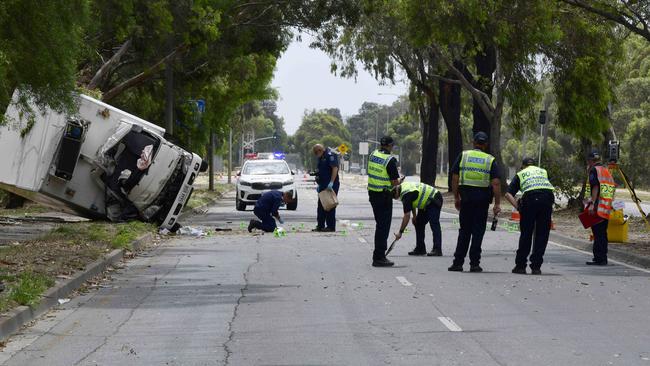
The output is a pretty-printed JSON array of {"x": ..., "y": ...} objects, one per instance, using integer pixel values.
[
  {"x": 326, "y": 162},
  {"x": 270, "y": 202}
]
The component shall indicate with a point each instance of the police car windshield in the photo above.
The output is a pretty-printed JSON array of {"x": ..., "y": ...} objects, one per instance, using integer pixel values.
[{"x": 266, "y": 168}]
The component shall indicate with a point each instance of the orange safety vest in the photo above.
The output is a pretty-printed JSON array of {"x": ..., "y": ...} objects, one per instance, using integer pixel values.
[{"x": 605, "y": 193}]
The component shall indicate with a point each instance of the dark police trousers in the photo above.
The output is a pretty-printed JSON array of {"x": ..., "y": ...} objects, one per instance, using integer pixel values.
[
  {"x": 473, "y": 218},
  {"x": 430, "y": 215},
  {"x": 327, "y": 218},
  {"x": 382, "y": 208},
  {"x": 536, "y": 211},
  {"x": 268, "y": 223},
  {"x": 600, "y": 241}
]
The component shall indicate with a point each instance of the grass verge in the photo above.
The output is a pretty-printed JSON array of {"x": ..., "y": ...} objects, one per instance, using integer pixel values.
[
  {"x": 202, "y": 196},
  {"x": 30, "y": 268}
]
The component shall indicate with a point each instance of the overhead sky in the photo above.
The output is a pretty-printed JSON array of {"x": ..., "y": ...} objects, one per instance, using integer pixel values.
[{"x": 304, "y": 81}]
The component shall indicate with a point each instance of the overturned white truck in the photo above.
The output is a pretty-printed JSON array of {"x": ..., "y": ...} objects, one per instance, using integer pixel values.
[{"x": 100, "y": 163}]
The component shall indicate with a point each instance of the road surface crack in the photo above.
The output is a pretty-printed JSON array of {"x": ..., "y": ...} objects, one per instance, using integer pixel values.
[
  {"x": 131, "y": 312},
  {"x": 235, "y": 313}
]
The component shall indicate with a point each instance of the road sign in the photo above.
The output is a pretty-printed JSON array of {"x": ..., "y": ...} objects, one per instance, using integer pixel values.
[
  {"x": 200, "y": 105},
  {"x": 343, "y": 149},
  {"x": 363, "y": 148}
]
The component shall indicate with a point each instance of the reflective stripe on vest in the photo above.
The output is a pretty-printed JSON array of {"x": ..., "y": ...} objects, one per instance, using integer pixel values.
[
  {"x": 533, "y": 178},
  {"x": 605, "y": 193},
  {"x": 475, "y": 168},
  {"x": 425, "y": 193},
  {"x": 378, "y": 178}
]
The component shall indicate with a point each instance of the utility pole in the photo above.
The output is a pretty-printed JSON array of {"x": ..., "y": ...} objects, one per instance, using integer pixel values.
[
  {"x": 169, "y": 97},
  {"x": 230, "y": 157},
  {"x": 211, "y": 161}
]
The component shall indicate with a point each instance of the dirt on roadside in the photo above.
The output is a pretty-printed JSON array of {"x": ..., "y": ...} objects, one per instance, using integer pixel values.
[{"x": 30, "y": 267}]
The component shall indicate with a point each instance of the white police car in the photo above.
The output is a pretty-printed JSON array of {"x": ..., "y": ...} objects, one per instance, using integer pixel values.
[{"x": 260, "y": 176}]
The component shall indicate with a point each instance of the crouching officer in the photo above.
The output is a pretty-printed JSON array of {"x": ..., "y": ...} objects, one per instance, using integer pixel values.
[
  {"x": 600, "y": 194},
  {"x": 536, "y": 208},
  {"x": 425, "y": 202},
  {"x": 475, "y": 181},
  {"x": 382, "y": 177},
  {"x": 266, "y": 208}
]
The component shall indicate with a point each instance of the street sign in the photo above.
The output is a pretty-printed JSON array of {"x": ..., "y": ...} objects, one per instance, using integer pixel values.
[
  {"x": 343, "y": 149},
  {"x": 200, "y": 105},
  {"x": 363, "y": 148}
]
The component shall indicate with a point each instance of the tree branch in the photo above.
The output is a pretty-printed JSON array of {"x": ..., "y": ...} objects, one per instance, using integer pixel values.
[
  {"x": 481, "y": 98},
  {"x": 108, "y": 65},
  {"x": 145, "y": 75},
  {"x": 617, "y": 17}
]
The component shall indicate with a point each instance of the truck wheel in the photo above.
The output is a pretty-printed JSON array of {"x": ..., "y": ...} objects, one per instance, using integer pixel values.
[
  {"x": 294, "y": 205},
  {"x": 239, "y": 205}
]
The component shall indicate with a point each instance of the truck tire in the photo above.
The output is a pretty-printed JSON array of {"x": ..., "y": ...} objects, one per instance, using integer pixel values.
[{"x": 239, "y": 205}]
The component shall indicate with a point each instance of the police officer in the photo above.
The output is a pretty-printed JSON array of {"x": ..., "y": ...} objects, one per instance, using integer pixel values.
[
  {"x": 475, "y": 181},
  {"x": 536, "y": 208},
  {"x": 382, "y": 177},
  {"x": 425, "y": 202},
  {"x": 600, "y": 196},
  {"x": 266, "y": 209},
  {"x": 328, "y": 178}
]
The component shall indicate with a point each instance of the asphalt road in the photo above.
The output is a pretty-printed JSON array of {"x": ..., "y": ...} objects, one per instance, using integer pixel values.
[{"x": 314, "y": 299}]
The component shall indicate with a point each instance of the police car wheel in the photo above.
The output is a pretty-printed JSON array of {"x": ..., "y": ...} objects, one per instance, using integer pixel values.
[
  {"x": 239, "y": 205},
  {"x": 293, "y": 205}
]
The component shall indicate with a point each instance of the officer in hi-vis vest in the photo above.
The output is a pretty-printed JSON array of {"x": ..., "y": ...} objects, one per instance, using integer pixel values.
[
  {"x": 425, "y": 202},
  {"x": 536, "y": 208},
  {"x": 475, "y": 181},
  {"x": 600, "y": 195},
  {"x": 382, "y": 177}
]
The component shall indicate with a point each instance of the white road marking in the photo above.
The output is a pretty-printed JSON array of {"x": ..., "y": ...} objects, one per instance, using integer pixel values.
[
  {"x": 403, "y": 281},
  {"x": 450, "y": 324},
  {"x": 608, "y": 259},
  {"x": 362, "y": 240}
]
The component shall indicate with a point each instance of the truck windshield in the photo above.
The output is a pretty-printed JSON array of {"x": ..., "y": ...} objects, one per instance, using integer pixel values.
[{"x": 266, "y": 168}]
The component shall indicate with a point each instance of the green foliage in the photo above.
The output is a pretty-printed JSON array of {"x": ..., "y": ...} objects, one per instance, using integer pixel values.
[
  {"x": 29, "y": 288},
  {"x": 319, "y": 127},
  {"x": 631, "y": 113},
  {"x": 406, "y": 131},
  {"x": 584, "y": 72},
  {"x": 39, "y": 50},
  {"x": 114, "y": 235},
  {"x": 373, "y": 121}
]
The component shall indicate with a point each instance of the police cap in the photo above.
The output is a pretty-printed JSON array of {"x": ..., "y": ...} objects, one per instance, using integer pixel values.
[
  {"x": 386, "y": 140},
  {"x": 528, "y": 161},
  {"x": 481, "y": 137}
]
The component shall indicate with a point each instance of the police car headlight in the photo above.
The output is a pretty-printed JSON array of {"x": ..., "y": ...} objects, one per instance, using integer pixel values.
[{"x": 245, "y": 183}]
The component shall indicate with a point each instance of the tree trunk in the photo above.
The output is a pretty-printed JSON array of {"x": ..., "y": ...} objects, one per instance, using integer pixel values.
[
  {"x": 450, "y": 107},
  {"x": 429, "y": 115},
  {"x": 108, "y": 66},
  {"x": 486, "y": 65},
  {"x": 495, "y": 150}
]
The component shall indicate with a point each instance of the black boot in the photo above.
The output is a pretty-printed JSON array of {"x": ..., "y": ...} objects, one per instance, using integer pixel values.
[{"x": 253, "y": 224}]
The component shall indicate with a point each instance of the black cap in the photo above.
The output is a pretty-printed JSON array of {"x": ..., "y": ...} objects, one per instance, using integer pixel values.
[
  {"x": 594, "y": 155},
  {"x": 528, "y": 161},
  {"x": 386, "y": 140},
  {"x": 481, "y": 137}
]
